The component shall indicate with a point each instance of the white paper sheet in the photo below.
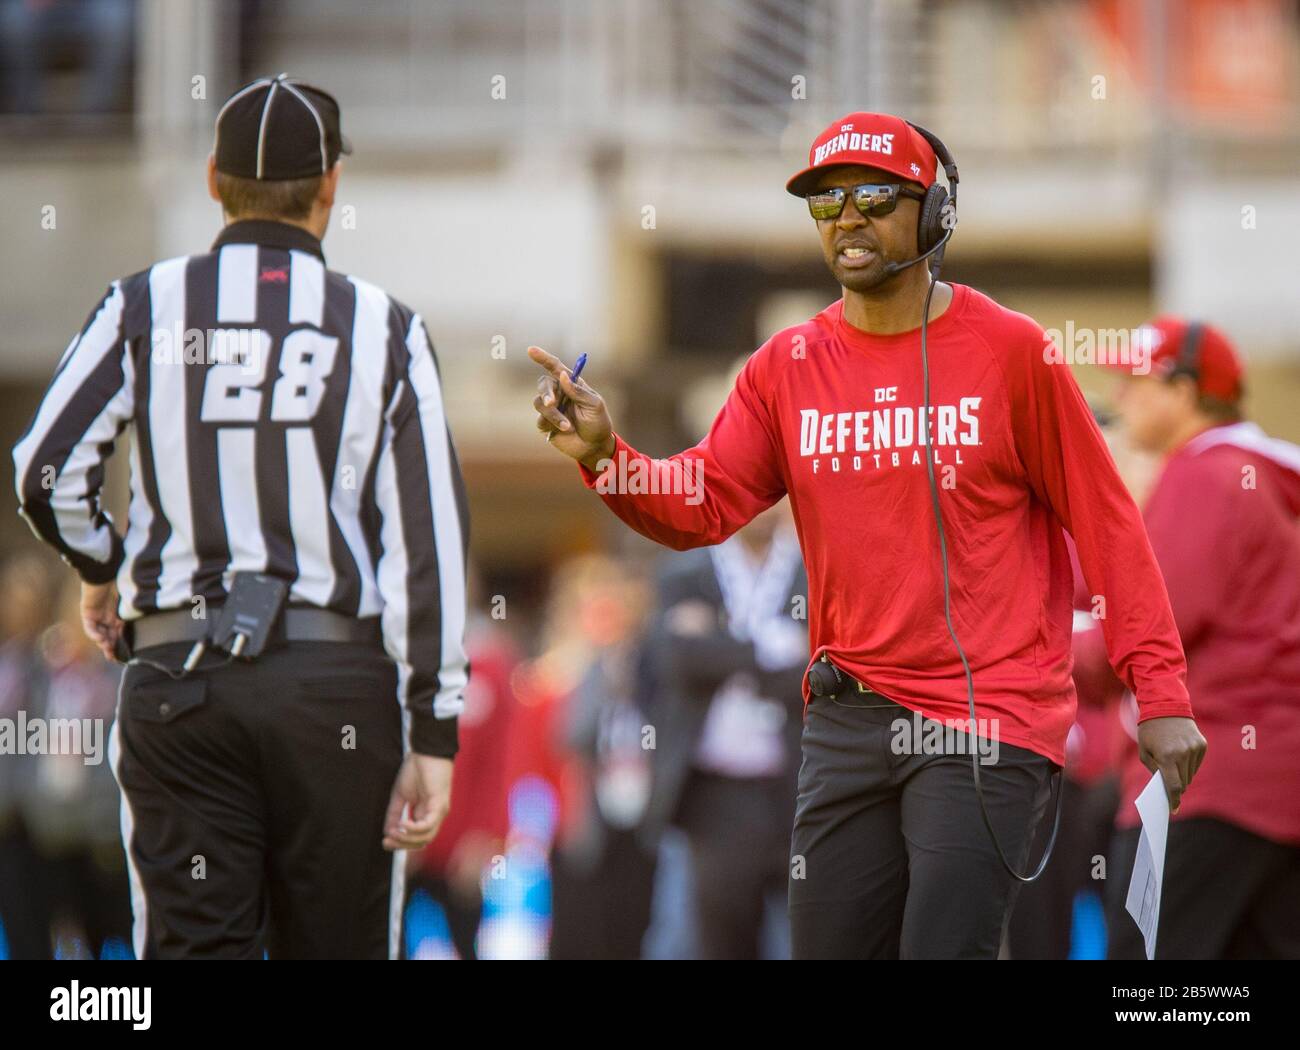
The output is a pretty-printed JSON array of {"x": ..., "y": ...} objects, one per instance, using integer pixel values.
[{"x": 1143, "y": 901}]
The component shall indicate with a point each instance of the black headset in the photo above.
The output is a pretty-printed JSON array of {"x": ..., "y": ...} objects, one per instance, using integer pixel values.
[
  {"x": 1188, "y": 361},
  {"x": 932, "y": 236},
  {"x": 932, "y": 233}
]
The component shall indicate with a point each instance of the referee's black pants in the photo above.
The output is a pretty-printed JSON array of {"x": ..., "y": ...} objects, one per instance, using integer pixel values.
[
  {"x": 253, "y": 804},
  {"x": 889, "y": 856}
]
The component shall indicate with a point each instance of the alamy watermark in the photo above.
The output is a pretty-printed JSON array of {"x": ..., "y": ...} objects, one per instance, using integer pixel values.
[
  {"x": 91, "y": 1003},
  {"x": 927, "y": 736},
  {"x": 247, "y": 348},
  {"x": 1127, "y": 347},
  {"x": 638, "y": 476},
  {"x": 53, "y": 736}
]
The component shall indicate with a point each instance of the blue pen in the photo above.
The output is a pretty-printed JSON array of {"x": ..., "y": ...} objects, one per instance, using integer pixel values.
[{"x": 578, "y": 366}]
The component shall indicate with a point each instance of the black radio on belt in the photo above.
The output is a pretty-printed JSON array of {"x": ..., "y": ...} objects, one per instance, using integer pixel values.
[
  {"x": 248, "y": 615},
  {"x": 825, "y": 679}
]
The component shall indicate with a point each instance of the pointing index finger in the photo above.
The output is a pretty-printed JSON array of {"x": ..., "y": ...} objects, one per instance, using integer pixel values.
[{"x": 549, "y": 362}]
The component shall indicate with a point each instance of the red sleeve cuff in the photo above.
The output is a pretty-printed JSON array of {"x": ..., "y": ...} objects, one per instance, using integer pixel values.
[
  {"x": 1164, "y": 709},
  {"x": 591, "y": 477},
  {"x": 1163, "y": 697}
]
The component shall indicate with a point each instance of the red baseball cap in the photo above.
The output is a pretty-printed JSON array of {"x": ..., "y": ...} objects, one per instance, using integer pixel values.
[
  {"x": 874, "y": 140},
  {"x": 1217, "y": 364}
]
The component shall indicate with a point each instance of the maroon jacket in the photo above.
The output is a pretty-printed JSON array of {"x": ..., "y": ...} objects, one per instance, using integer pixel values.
[{"x": 1222, "y": 519}]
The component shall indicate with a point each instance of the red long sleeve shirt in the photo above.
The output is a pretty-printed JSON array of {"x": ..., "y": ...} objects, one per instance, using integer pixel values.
[{"x": 829, "y": 414}]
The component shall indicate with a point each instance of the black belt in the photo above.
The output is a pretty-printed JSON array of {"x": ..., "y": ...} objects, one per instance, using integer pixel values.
[
  {"x": 825, "y": 679},
  {"x": 294, "y": 625}
]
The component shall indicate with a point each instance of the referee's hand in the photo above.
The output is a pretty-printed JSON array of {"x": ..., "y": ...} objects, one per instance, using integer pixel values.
[
  {"x": 99, "y": 616},
  {"x": 583, "y": 429},
  {"x": 420, "y": 800}
]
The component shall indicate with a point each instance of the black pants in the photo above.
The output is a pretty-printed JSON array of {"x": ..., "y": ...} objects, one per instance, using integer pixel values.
[
  {"x": 737, "y": 830},
  {"x": 254, "y": 800},
  {"x": 24, "y": 909},
  {"x": 1227, "y": 894},
  {"x": 890, "y": 857},
  {"x": 1042, "y": 921},
  {"x": 600, "y": 906}
]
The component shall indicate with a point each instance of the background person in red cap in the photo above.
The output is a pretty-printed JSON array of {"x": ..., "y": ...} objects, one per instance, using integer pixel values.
[
  {"x": 1222, "y": 518},
  {"x": 890, "y": 854}
]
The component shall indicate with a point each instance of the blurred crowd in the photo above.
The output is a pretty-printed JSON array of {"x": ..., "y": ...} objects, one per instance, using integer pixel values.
[{"x": 63, "y": 884}]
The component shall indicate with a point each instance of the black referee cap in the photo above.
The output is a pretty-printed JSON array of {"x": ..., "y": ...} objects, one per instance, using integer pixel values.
[{"x": 278, "y": 128}]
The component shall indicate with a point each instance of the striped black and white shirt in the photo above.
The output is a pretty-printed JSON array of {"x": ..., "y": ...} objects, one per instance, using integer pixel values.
[{"x": 281, "y": 418}]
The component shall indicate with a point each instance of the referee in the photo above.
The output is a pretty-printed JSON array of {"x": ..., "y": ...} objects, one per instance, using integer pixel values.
[{"x": 286, "y": 433}]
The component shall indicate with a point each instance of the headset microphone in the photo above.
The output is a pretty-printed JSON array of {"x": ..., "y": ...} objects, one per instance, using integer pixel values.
[{"x": 937, "y": 251}]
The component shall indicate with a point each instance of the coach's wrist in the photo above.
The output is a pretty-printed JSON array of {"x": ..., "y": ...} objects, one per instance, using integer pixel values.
[
  {"x": 435, "y": 737},
  {"x": 601, "y": 455}
]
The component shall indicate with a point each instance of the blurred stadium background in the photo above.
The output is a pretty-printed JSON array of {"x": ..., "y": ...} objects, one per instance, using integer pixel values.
[{"x": 608, "y": 177}]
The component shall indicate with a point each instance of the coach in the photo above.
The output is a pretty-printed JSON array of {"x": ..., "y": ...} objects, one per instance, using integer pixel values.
[
  {"x": 286, "y": 431},
  {"x": 890, "y": 852}
]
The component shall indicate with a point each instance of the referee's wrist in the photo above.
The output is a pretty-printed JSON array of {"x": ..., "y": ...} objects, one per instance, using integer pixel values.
[{"x": 436, "y": 737}]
